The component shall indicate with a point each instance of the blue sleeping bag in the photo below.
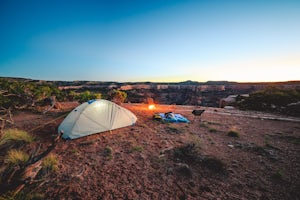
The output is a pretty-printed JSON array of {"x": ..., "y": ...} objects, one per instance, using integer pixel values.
[{"x": 172, "y": 117}]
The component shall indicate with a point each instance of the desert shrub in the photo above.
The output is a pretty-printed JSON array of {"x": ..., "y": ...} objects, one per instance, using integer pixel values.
[
  {"x": 20, "y": 94},
  {"x": 87, "y": 95},
  {"x": 214, "y": 123},
  {"x": 212, "y": 130},
  {"x": 270, "y": 99},
  {"x": 204, "y": 124},
  {"x": 16, "y": 135},
  {"x": 259, "y": 150},
  {"x": 117, "y": 96},
  {"x": 195, "y": 141},
  {"x": 292, "y": 109},
  {"x": 35, "y": 196},
  {"x": 16, "y": 157},
  {"x": 108, "y": 150},
  {"x": 277, "y": 176},
  {"x": 214, "y": 164},
  {"x": 87, "y": 143},
  {"x": 184, "y": 152},
  {"x": 173, "y": 129},
  {"x": 71, "y": 95},
  {"x": 50, "y": 163},
  {"x": 22, "y": 196},
  {"x": 74, "y": 151},
  {"x": 191, "y": 150},
  {"x": 233, "y": 133},
  {"x": 137, "y": 148},
  {"x": 292, "y": 139}
]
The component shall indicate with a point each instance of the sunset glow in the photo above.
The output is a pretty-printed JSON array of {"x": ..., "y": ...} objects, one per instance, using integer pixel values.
[{"x": 158, "y": 41}]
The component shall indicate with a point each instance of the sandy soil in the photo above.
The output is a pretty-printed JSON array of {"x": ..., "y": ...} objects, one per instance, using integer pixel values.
[{"x": 155, "y": 160}]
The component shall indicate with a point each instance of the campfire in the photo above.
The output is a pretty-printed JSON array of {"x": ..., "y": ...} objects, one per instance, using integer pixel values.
[{"x": 151, "y": 107}]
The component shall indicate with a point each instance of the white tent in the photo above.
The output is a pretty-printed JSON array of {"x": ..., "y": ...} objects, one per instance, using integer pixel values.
[{"x": 95, "y": 116}]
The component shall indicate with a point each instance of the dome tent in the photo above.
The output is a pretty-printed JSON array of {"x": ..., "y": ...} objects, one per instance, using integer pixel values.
[{"x": 95, "y": 116}]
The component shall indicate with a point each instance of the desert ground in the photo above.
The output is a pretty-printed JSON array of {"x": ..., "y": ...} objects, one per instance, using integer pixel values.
[{"x": 156, "y": 160}]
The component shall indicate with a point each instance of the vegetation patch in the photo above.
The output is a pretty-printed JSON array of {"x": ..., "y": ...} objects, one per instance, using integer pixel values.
[
  {"x": 212, "y": 130},
  {"x": 74, "y": 150},
  {"x": 259, "y": 150},
  {"x": 22, "y": 196},
  {"x": 50, "y": 163},
  {"x": 15, "y": 135},
  {"x": 86, "y": 95},
  {"x": 108, "y": 152},
  {"x": 137, "y": 149},
  {"x": 214, "y": 164},
  {"x": 87, "y": 143},
  {"x": 195, "y": 141},
  {"x": 233, "y": 133},
  {"x": 277, "y": 176},
  {"x": 214, "y": 123},
  {"x": 289, "y": 138},
  {"x": 204, "y": 124},
  {"x": 292, "y": 139},
  {"x": 173, "y": 129},
  {"x": 117, "y": 96},
  {"x": 190, "y": 151},
  {"x": 273, "y": 99},
  {"x": 16, "y": 157}
]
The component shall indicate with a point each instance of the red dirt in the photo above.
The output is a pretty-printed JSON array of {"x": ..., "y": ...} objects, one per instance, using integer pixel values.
[{"x": 146, "y": 160}]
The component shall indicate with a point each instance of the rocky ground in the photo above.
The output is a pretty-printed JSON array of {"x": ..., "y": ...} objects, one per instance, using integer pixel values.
[{"x": 155, "y": 160}]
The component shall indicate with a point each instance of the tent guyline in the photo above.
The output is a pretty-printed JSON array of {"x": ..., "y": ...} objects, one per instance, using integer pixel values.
[{"x": 44, "y": 124}]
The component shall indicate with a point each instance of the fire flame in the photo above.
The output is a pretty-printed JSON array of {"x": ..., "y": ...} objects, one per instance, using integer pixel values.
[{"x": 151, "y": 107}]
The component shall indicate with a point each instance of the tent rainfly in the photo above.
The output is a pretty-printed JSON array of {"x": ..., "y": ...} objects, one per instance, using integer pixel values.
[{"x": 95, "y": 116}]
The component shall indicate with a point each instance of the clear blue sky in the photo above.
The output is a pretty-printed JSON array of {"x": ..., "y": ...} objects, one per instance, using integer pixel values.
[{"x": 149, "y": 40}]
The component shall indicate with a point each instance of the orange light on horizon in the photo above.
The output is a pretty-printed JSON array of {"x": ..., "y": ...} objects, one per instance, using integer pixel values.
[{"x": 151, "y": 107}]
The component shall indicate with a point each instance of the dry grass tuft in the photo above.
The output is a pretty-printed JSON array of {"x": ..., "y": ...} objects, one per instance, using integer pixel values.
[
  {"x": 50, "y": 163},
  {"x": 16, "y": 157},
  {"x": 233, "y": 132},
  {"x": 15, "y": 135}
]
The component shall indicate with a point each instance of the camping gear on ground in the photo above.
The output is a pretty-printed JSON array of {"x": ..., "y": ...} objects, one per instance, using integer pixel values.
[
  {"x": 197, "y": 113},
  {"x": 95, "y": 116},
  {"x": 170, "y": 117}
]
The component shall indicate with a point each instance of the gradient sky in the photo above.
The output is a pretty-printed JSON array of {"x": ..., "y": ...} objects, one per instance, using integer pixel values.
[{"x": 149, "y": 40}]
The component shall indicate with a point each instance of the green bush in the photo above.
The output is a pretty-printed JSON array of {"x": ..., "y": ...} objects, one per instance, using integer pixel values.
[
  {"x": 270, "y": 99},
  {"x": 117, "y": 96},
  {"x": 87, "y": 95},
  {"x": 21, "y": 94}
]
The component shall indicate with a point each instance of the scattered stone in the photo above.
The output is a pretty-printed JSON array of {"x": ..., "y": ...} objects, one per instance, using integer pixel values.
[
  {"x": 169, "y": 170},
  {"x": 231, "y": 171}
]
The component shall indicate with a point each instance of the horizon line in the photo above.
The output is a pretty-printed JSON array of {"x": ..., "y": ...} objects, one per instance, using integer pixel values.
[{"x": 228, "y": 81}]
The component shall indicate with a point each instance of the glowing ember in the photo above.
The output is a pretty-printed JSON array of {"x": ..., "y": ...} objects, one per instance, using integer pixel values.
[{"x": 151, "y": 107}]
